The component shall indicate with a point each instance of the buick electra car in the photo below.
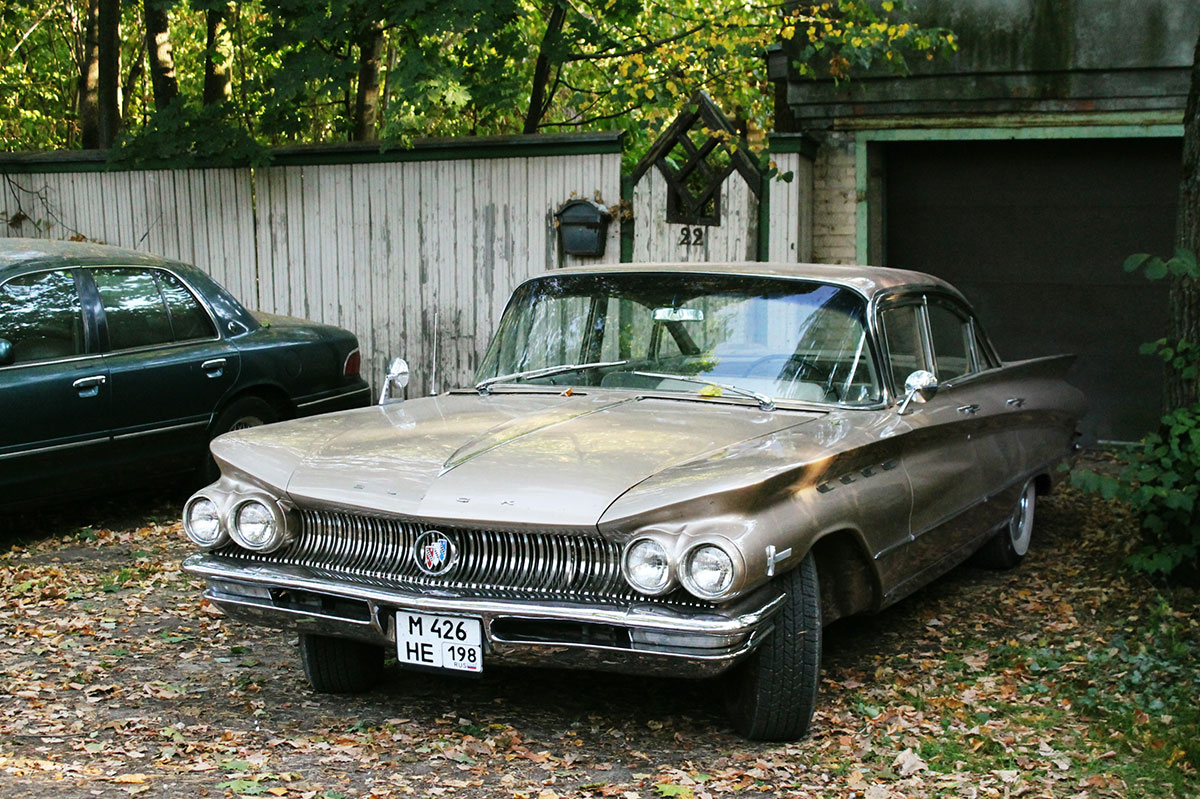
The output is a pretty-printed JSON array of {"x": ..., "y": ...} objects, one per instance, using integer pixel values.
[
  {"x": 117, "y": 367},
  {"x": 684, "y": 470}
]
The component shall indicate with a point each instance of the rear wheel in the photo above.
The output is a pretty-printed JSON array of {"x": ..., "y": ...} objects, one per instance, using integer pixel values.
[
  {"x": 772, "y": 695},
  {"x": 340, "y": 665},
  {"x": 1007, "y": 548}
]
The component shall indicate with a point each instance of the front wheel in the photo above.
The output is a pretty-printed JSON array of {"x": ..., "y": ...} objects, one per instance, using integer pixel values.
[
  {"x": 772, "y": 695},
  {"x": 1007, "y": 548},
  {"x": 340, "y": 665}
]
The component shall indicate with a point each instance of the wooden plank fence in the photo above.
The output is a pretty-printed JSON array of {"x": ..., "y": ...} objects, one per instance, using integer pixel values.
[{"x": 415, "y": 250}]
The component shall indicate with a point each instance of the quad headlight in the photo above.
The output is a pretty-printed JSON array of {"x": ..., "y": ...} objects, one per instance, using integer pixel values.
[
  {"x": 253, "y": 520},
  {"x": 647, "y": 566},
  {"x": 202, "y": 522},
  {"x": 708, "y": 571},
  {"x": 258, "y": 526}
]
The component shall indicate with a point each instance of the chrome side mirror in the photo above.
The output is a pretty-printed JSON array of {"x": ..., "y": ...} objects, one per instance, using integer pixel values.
[
  {"x": 394, "y": 381},
  {"x": 6, "y": 353},
  {"x": 920, "y": 386}
]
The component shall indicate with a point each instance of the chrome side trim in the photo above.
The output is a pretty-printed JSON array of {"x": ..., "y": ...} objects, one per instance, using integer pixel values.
[
  {"x": 1042, "y": 468},
  {"x": 55, "y": 447},
  {"x": 342, "y": 395},
  {"x": 154, "y": 430}
]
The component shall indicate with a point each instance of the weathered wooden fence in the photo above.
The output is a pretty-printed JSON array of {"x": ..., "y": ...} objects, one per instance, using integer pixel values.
[{"x": 414, "y": 250}]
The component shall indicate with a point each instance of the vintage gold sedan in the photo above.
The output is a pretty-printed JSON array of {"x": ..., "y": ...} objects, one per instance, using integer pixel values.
[{"x": 672, "y": 469}]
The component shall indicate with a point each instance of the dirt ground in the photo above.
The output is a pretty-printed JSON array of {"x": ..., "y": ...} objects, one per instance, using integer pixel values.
[{"x": 116, "y": 680}]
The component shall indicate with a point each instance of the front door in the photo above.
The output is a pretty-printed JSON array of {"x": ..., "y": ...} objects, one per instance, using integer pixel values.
[{"x": 940, "y": 455}]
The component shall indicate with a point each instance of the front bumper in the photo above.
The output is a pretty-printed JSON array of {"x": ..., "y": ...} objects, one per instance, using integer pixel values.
[{"x": 635, "y": 638}]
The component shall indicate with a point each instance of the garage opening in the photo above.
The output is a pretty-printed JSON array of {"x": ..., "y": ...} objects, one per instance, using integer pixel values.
[{"x": 1035, "y": 233}]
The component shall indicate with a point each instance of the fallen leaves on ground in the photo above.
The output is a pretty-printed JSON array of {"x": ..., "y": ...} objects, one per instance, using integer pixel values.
[{"x": 118, "y": 679}]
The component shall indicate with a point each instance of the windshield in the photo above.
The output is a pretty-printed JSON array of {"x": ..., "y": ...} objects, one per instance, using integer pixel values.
[{"x": 786, "y": 339}]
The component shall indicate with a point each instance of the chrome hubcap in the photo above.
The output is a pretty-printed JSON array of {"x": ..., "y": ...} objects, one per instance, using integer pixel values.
[
  {"x": 1020, "y": 526},
  {"x": 245, "y": 422}
]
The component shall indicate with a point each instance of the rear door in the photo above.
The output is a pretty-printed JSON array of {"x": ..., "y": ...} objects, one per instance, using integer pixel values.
[
  {"x": 168, "y": 367},
  {"x": 54, "y": 436}
]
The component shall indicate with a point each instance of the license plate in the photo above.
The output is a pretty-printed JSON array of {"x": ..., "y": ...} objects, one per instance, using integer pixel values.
[{"x": 440, "y": 642}]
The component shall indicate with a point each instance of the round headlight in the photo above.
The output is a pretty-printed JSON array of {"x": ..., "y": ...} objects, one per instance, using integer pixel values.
[
  {"x": 255, "y": 526},
  {"x": 709, "y": 571},
  {"x": 202, "y": 522},
  {"x": 647, "y": 567}
]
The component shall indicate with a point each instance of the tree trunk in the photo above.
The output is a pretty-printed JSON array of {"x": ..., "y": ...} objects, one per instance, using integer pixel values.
[
  {"x": 89, "y": 81},
  {"x": 218, "y": 58},
  {"x": 108, "y": 27},
  {"x": 366, "y": 99},
  {"x": 131, "y": 80},
  {"x": 162, "y": 57},
  {"x": 1183, "y": 318},
  {"x": 541, "y": 70}
]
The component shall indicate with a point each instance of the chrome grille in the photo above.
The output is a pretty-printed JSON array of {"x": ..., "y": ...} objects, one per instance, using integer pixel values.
[{"x": 380, "y": 550}]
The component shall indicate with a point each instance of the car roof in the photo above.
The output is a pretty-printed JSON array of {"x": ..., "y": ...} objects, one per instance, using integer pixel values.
[
  {"x": 17, "y": 254},
  {"x": 866, "y": 280}
]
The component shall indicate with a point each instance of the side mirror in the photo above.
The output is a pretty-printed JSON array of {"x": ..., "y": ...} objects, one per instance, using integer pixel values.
[
  {"x": 6, "y": 353},
  {"x": 921, "y": 386},
  {"x": 394, "y": 381}
]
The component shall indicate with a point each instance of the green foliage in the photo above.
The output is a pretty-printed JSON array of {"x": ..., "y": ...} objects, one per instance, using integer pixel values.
[
  {"x": 185, "y": 134},
  {"x": 1181, "y": 265},
  {"x": 448, "y": 69},
  {"x": 1159, "y": 477},
  {"x": 1160, "y": 481}
]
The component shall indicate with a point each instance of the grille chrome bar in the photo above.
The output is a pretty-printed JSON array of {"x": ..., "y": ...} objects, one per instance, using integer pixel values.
[{"x": 380, "y": 549}]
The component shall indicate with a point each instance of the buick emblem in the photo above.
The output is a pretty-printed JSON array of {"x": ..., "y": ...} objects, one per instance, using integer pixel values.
[{"x": 434, "y": 552}]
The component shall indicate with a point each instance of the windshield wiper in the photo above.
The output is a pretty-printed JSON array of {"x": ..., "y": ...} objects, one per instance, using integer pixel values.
[
  {"x": 484, "y": 386},
  {"x": 764, "y": 402}
]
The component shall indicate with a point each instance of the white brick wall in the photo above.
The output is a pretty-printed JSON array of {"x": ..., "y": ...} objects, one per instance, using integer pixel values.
[{"x": 834, "y": 201}]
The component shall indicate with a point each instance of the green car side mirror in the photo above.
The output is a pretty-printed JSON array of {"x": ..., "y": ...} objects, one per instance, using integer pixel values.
[{"x": 6, "y": 352}]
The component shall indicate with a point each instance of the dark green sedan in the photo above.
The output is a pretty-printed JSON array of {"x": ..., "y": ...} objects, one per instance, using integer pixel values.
[{"x": 117, "y": 366}]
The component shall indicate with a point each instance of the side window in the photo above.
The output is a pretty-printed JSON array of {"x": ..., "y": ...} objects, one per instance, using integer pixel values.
[
  {"x": 145, "y": 307},
  {"x": 41, "y": 316},
  {"x": 902, "y": 329},
  {"x": 951, "y": 336},
  {"x": 188, "y": 318},
  {"x": 137, "y": 315}
]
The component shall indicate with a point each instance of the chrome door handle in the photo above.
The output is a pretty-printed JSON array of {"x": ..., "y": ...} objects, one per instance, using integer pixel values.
[
  {"x": 1015, "y": 402},
  {"x": 89, "y": 386},
  {"x": 969, "y": 409},
  {"x": 214, "y": 367}
]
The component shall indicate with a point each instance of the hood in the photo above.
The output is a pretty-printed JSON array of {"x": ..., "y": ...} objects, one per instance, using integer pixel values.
[{"x": 508, "y": 458}]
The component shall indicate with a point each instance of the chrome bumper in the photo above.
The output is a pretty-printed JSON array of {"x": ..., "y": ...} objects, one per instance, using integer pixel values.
[{"x": 636, "y": 638}]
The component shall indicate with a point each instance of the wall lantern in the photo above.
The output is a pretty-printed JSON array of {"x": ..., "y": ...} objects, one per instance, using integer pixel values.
[{"x": 582, "y": 228}]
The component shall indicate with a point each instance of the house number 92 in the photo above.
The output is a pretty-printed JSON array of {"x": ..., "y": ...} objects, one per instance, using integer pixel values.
[{"x": 691, "y": 237}]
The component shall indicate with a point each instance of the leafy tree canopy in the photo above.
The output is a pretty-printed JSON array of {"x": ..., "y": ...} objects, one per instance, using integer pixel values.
[{"x": 473, "y": 67}]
